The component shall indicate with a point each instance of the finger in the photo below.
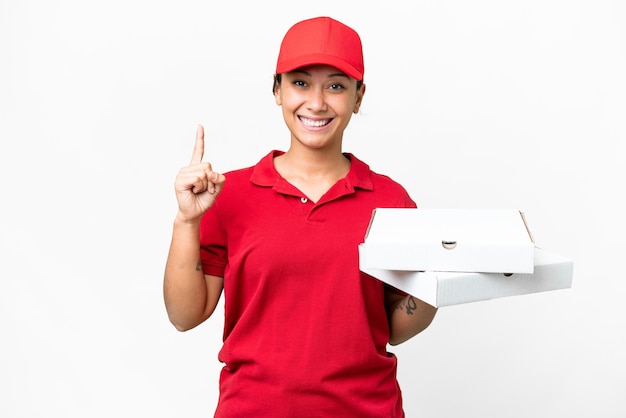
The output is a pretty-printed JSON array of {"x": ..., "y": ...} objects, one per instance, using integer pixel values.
[
  {"x": 198, "y": 149},
  {"x": 200, "y": 186},
  {"x": 216, "y": 181}
]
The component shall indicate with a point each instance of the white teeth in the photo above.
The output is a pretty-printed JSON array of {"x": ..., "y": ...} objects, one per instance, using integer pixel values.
[{"x": 315, "y": 123}]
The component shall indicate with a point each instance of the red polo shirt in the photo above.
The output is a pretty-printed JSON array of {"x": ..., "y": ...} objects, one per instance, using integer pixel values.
[{"x": 305, "y": 331}]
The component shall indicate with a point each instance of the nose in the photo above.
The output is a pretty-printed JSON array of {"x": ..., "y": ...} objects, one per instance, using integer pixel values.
[{"x": 316, "y": 102}]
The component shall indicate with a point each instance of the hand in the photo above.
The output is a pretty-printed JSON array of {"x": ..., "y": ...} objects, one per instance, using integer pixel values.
[{"x": 197, "y": 185}]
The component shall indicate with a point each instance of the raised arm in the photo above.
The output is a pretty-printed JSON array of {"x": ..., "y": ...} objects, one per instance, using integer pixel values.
[{"x": 191, "y": 296}]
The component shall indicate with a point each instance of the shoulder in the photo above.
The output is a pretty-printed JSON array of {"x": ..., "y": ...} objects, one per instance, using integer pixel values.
[
  {"x": 262, "y": 173},
  {"x": 383, "y": 179},
  {"x": 263, "y": 167},
  {"x": 239, "y": 174},
  {"x": 383, "y": 186},
  {"x": 248, "y": 183},
  {"x": 361, "y": 174},
  {"x": 388, "y": 186}
]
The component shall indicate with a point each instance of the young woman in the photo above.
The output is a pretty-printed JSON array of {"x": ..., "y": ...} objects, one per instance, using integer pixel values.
[{"x": 305, "y": 331}]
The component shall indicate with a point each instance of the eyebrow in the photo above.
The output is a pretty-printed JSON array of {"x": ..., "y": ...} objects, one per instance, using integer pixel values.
[{"x": 340, "y": 74}]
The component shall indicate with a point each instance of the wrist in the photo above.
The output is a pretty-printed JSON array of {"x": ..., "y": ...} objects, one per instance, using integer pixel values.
[{"x": 183, "y": 220}]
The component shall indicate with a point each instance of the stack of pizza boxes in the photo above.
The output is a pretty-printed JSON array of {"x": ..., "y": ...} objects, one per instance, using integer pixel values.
[{"x": 454, "y": 256}]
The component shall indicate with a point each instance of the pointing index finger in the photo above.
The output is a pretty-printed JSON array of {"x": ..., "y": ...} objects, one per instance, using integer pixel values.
[{"x": 198, "y": 149}]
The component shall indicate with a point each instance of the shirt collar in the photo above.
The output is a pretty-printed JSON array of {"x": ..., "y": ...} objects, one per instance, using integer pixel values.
[{"x": 264, "y": 173}]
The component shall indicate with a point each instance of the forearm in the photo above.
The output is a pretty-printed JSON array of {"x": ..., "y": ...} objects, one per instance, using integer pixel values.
[
  {"x": 184, "y": 286},
  {"x": 408, "y": 317}
]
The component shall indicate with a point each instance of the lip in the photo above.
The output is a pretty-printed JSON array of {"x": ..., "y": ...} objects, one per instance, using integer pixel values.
[{"x": 315, "y": 123}]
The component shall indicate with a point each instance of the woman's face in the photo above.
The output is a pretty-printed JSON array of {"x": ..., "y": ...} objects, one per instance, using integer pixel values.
[{"x": 318, "y": 102}]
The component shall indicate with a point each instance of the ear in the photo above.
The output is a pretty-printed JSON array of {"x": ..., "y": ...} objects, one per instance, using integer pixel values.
[
  {"x": 277, "y": 92},
  {"x": 359, "y": 98}
]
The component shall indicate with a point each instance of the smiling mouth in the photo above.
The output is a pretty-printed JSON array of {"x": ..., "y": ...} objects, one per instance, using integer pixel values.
[{"x": 314, "y": 123}]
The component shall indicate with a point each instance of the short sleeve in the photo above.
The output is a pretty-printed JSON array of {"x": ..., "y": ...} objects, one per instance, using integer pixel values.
[{"x": 213, "y": 249}]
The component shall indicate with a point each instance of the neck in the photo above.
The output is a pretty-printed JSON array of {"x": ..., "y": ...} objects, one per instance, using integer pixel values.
[
  {"x": 307, "y": 163},
  {"x": 313, "y": 173}
]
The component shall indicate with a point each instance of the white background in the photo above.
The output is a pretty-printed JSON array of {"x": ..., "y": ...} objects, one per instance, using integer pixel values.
[{"x": 481, "y": 104}]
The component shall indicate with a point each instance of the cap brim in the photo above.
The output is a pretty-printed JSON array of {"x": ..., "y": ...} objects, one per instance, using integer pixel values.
[{"x": 323, "y": 59}]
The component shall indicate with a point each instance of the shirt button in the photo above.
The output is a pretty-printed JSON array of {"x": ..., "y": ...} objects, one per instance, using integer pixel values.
[{"x": 304, "y": 199}]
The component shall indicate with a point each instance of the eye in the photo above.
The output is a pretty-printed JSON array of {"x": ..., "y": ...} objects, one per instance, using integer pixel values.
[
  {"x": 299, "y": 83},
  {"x": 336, "y": 86}
]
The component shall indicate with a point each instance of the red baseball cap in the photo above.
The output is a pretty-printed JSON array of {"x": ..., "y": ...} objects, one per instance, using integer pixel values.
[{"x": 321, "y": 40}]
